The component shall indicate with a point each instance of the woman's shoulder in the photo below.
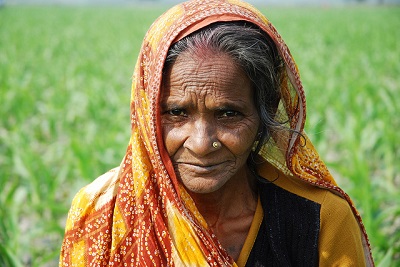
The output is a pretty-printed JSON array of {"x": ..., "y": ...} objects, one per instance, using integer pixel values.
[
  {"x": 300, "y": 188},
  {"x": 93, "y": 196},
  {"x": 339, "y": 237},
  {"x": 102, "y": 184}
]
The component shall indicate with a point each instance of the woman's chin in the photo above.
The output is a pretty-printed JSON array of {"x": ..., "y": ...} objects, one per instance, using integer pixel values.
[{"x": 204, "y": 186}]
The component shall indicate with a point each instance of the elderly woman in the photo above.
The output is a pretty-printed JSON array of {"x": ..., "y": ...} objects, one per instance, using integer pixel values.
[{"x": 218, "y": 171}]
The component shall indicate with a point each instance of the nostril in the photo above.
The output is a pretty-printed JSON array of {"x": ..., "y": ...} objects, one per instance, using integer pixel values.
[
  {"x": 199, "y": 145},
  {"x": 200, "y": 140}
]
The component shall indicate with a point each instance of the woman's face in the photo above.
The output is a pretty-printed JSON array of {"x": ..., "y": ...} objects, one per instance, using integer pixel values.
[{"x": 207, "y": 99}]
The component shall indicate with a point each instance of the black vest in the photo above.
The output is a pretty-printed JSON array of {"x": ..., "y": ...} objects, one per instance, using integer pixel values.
[{"x": 289, "y": 231}]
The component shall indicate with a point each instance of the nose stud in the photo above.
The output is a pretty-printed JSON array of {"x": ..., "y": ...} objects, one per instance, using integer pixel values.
[{"x": 216, "y": 144}]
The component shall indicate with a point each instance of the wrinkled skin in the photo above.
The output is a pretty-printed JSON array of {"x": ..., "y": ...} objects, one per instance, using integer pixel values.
[{"x": 207, "y": 99}]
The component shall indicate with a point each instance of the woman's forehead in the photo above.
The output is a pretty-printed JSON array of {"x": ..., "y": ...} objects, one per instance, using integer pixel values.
[{"x": 216, "y": 75}]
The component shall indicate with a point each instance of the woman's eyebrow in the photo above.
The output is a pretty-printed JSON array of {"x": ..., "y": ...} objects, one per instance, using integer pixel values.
[{"x": 233, "y": 104}]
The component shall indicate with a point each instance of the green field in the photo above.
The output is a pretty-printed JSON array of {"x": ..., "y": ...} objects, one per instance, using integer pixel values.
[{"x": 64, "y": 111}]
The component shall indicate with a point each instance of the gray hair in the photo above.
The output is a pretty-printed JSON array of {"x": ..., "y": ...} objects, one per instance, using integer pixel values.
[{"x": 254, "y": 52}]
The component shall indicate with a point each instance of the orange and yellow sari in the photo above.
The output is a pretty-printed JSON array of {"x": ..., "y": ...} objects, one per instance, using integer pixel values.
[{"x": 138, "y": 214}]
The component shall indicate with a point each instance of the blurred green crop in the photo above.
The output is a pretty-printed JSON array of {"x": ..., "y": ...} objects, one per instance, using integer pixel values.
[{"x": 65, "y": 76}]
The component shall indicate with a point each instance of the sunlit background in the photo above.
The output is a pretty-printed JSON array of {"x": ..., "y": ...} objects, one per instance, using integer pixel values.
[{"x": 65, "y": 70}]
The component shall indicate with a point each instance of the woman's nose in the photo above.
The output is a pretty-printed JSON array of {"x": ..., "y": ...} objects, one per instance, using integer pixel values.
[{"x": 200, "y": 140}]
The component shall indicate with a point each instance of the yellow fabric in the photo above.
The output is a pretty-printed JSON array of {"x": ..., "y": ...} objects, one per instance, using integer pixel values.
[
  {"x": 186, "y": 243},
  {"x": 139, "y": 213},
  {"x": 340, "y": 239}
]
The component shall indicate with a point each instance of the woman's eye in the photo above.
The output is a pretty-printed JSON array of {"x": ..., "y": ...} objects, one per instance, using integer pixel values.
[
  {"x": 229, "y": 113},
  {"x": 177, "y": 112}
]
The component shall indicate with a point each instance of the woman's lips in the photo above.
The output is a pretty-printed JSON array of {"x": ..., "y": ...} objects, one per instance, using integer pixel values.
[{"x": 201, "y": 168}]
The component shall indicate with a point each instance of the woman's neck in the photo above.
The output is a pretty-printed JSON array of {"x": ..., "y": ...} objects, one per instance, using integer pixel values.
[
  {"x": 229, "y": 211},
  {"x": 237, "y": 198}
]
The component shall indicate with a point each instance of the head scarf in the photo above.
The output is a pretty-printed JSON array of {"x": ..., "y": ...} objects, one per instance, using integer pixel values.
[{"x": 138, "y": 214}]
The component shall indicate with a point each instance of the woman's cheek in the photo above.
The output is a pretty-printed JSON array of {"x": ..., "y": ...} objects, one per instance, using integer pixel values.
[
  {"x": 241, "y": 139},
  {"x": 173, "y": 138}
]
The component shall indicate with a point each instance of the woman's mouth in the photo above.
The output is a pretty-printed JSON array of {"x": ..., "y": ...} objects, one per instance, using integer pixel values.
[{"x": 201, "y": 168}]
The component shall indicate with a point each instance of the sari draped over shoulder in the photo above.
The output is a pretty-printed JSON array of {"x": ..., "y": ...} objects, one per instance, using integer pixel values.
[{"x": 138, "y": 214}]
